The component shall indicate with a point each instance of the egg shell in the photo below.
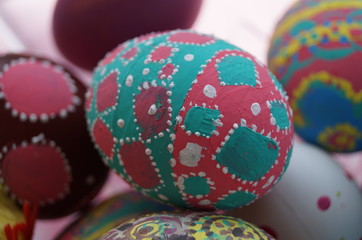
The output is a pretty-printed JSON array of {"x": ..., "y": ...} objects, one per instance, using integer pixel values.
[
  {"x": 46, "y": 155},
  {"x": 188, "y": 226},
  {"x": 85, "y": 30},
  {"x": 190, "y": 120},
  {"x": 109, "y": 214},
  {"x": 315, "y": 52},
  {"x": 315, "y": 200},
  {"x": 9, "y": 212}
]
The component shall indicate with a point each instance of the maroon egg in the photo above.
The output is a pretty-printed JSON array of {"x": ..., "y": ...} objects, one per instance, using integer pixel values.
[
  {"x": 85, "y": 30},
  {"x": 46, "y": 155}
]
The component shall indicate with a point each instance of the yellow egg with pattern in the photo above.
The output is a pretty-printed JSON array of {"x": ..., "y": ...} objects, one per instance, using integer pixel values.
[{"x": 186, "y": 226}]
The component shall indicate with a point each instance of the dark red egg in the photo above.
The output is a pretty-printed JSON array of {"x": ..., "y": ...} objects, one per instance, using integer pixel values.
[
  {"x": 85, "y": 30},
  {"x": 46, "y": 155}
]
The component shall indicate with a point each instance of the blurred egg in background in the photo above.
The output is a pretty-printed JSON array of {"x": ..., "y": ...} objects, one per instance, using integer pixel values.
[
  {"x": 85, "y": 30},
  {"x": 314, "y": 200},
  {"x": 315, "y": 52}
]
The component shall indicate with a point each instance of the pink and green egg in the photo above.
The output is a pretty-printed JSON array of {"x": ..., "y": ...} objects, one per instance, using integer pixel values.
[
  {"x": 190, "y": 120},
  {"x": 315, "y": 52}
]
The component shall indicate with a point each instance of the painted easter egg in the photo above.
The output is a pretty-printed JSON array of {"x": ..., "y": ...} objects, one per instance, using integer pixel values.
[
  {"x": 180, "y": 114},
  {"x": 109, "y": 214},
  {"x": 188, "y": 225},
  {"x": 315, "y": 53},
  {"x": 10, "y": 214},
  {"x": 314, "y": 200},
  {"x": 46, "y": 155},
  {"x": 85, "y": 30}
]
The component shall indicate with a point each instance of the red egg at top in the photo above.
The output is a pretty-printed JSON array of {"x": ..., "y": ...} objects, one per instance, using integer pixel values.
[
  {"x": 46, "y": 156},
  {"x": 85, "y": 30}
]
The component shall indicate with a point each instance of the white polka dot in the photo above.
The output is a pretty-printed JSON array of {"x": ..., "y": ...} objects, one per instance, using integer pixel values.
[
  {"x": 189, "y": 57},
  {"x": 146, "y": 71},
  {"x": 152, "y": 110},
  {"x": 243, "y": 122},
  {"x": 268, "y": 104},
  {"x": 273, "y": 121},
  {"x": 269, "y": 182},
  {"x": 162, "y": 197},
  {"x": 37, "y": 139},
  {"x": 33, "y": 117},
  {"x": 255, "y": 109},
  {"x": 146, "y": 85},
  {"x": 129, "y": 81},
  {"x": 204, "y": 202},
  {"x": 148, "y": 151},
  {"x": 209, "y": 91},
  {"x": 170, "y": 147},
  {"x": 178, "y": 119},
  {"x": 172, "y": 162},
  {"x": 180, "y": 183},
  {"x": 120, "y": 123}
]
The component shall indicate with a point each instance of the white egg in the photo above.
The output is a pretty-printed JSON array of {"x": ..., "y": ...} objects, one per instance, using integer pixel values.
[{"x": 314, "y": 200}]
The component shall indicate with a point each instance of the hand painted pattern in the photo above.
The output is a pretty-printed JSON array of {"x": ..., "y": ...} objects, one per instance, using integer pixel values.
[
  {"x": 315, "y": 53},
  {"x": 186, "y": 226},
  {"x": 195, "y": 112}
]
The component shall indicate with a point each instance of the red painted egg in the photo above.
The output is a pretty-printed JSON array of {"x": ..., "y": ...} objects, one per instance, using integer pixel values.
[
  {"x": 85, "y": 30},
  {"x": 190, "y": 120},
  {"x": 46, "y": 156}
]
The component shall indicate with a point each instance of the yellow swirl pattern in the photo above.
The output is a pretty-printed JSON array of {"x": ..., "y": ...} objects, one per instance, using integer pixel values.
[
  {"x": 309, "y": 12},
  {"x": 223, "y": 228},
  {"x": 339, "y": 137},
  {"x": 314, "y": 37},
  {"x": 189, "y": 225}
]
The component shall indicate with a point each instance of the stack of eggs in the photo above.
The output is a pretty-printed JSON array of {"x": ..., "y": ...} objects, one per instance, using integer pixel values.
[
  {"x": 197, "y": 123},
  {"x": 47, "y": 159},
  {"x": 190, "y": 121},
  {"x": 178, "y": 114}
]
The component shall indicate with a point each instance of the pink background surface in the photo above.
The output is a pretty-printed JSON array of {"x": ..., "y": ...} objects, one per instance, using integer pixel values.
[{"x": 247, "y": 24}]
